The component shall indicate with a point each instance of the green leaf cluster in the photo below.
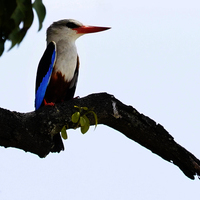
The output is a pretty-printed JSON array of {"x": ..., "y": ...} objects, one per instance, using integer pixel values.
[
  {"x": 16, "y": 17},
  {"x": 82, "y": 120}
]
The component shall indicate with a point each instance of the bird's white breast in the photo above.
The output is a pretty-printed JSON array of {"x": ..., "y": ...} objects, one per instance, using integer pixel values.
[{"x": 66, "y": 59}]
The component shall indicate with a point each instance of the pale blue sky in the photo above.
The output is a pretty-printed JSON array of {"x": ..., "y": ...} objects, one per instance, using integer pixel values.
[{"x": 150, "y": 60}]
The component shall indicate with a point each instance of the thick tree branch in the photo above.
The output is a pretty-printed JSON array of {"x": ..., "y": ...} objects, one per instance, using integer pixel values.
[{"x": 33, "y": 131}]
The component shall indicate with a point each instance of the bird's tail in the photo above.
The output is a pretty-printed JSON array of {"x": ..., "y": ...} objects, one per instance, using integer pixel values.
[{"x": 58, "y": 144}]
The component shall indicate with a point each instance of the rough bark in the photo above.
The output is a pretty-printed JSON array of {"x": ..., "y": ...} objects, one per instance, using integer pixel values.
[{"x": 33, "y": 131}]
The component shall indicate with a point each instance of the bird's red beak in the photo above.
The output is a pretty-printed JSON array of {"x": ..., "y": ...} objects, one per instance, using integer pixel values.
[{"x": 90, "y": 29}]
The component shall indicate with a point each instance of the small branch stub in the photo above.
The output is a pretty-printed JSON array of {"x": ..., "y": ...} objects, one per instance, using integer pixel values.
[{"x": 115, "y": 111}]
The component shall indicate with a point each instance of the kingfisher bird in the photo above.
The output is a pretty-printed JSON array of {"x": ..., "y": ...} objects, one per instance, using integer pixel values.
[{"x": 58, "y": 69}]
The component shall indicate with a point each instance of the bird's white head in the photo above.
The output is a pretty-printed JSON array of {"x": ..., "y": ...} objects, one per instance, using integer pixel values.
[{"x": 70, "y": 29}]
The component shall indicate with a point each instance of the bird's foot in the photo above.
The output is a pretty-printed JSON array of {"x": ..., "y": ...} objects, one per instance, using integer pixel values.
[{"x": 48, "y": 104}]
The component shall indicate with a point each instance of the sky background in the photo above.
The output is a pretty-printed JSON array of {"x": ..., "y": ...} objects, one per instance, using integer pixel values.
[{"x": 150, "y": 60}]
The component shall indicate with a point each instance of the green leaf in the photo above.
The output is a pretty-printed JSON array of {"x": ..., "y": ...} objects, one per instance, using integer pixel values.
[
  {"x": 84, "y": 108},
  {"x": 64, "y": 133},
  {"x": 87, "y": 120},
  {"x": 16, "y": 36},
  {"x": 75, "y": 117},
  {"x": 40, "y": 10},
  {"x": 16, "y": 17},
  {"x": 95, "y": 118},
  {"x": 22, "y": 15},
  {"x": 84, "y": 129},
  {"x": 86, "y": 126},
  {"x": 82, "y": 121}
]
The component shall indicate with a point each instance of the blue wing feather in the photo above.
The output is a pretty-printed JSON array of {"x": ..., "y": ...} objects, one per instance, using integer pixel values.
[{"x": 44, "y": 72}]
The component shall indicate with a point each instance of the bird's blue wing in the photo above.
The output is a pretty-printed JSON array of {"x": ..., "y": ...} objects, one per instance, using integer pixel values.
[{"x": 44, "y": 72}]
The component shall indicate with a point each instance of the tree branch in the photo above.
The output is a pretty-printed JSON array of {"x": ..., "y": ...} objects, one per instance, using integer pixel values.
[{"x": 33, "y": 131}]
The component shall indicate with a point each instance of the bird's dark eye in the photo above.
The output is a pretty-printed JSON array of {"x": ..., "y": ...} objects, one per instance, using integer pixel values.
[{"x": 71, "y": 25}]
